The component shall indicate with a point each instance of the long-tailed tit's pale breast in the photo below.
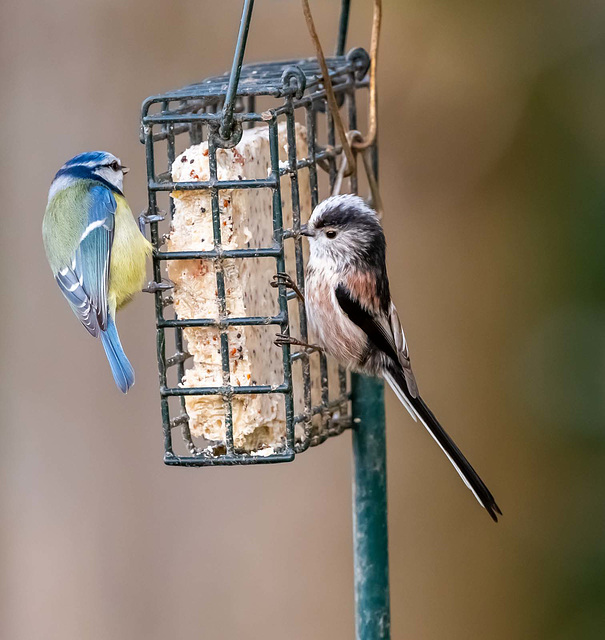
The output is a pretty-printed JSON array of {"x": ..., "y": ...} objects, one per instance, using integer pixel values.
[{"x": 352, "y": 317}]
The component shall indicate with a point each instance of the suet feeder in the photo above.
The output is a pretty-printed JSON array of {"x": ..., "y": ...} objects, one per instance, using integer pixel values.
[
  {"x": 235, "y": 165},
  {"x": 289, "y": 146}
]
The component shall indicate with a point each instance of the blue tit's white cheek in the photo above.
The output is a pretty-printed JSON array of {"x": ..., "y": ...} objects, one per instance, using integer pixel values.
[{"x": 116, "y": 178}]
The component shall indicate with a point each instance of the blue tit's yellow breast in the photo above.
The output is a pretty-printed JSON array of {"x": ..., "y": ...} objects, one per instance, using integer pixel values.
[{"x": 129, "y": 253}]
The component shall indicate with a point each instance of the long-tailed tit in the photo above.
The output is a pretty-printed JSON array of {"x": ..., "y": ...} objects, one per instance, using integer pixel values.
[{"x": 351, "y": 314}]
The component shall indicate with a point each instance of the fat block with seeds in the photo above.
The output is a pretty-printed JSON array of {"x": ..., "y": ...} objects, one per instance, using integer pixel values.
[{"x": 246, "y": 221}]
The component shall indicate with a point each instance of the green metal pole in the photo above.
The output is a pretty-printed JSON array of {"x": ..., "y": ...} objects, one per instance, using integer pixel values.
[
  {"x": 370, "y": 532},
  {"x": 343, "y": 27}
]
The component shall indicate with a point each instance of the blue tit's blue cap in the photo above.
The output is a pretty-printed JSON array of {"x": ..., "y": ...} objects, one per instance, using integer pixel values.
[{"x": 89, "y": 159}]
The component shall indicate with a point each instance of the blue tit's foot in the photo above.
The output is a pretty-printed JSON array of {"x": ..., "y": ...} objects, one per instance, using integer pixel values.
[
  {"x": 178, "y": 358},
  {"x": 285, "y": 279},
  {"x": 144, "y": 219},
  {"x": 154, "y": 287},
  {"x": 281, "y": 339}
]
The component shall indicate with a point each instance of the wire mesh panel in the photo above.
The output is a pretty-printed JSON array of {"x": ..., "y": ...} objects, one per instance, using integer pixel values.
[{"x": 233, "y": 212}]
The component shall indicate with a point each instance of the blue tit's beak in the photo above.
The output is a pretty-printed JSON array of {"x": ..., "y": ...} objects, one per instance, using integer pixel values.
[
  {"x": 305, "y": 231},
  {"x": 125, "y": 170}
]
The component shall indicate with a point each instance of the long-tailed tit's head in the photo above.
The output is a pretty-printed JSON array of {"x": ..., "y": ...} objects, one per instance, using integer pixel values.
[{"x": 344, "y": 230}]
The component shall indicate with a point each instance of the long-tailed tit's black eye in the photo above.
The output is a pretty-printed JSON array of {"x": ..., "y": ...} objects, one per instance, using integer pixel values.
[{"x": 331, "y": 234}]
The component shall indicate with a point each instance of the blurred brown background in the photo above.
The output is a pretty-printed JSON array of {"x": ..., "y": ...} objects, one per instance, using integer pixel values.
[{"x": 492, "y": 165}]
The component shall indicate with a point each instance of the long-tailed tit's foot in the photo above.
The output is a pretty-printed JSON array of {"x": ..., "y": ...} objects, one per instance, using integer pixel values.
[
  {"x": 288, "y": 282},
  {"x": 282, "y": 339}
]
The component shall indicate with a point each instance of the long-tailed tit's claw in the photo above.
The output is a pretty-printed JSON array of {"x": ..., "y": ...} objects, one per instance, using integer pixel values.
[
  {"x": 282, "y": 339},
  {"x": 285, "y": 279}
]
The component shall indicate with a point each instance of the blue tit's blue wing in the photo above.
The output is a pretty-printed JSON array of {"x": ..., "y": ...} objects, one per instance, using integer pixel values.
[{"x": 85, "y": 281}]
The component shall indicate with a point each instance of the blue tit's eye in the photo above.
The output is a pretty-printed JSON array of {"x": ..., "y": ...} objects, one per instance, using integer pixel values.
[
  {"x": 115, "y": 165},
  {"x": 331, "y": 234}
]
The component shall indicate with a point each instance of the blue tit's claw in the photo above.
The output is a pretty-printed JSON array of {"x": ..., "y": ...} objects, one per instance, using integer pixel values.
[
  {"x": 144, "y": 219},
  {"x": 178, "y": 358},
  {"x": 154, "y": 287}
]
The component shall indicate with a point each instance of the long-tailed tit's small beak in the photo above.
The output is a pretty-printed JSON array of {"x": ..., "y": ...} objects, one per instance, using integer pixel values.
[
  {"x": 125, "y": 170},
  {"x": 305, "y": 231}
]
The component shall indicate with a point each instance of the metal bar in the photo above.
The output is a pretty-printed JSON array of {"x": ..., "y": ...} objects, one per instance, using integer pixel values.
[
  {"x": 222, "y": 323},
  {"x": 234, "y": 459},
  {"x": 328, "y": 152},
  {"x": 259, "y": 183},
  {"x": 352, "y": 117},
  {"x": 334, "y": 404},
  {"x": 265, "y": 252},
  {"x": 201, "y": 117},
  {"x": 208, "y": 185},
  {"x": 298, "y": 257},
  {"x": 370, "y": 533},
  {"x": 342, "y": 374},
  {"x": 196, "y": 131},
  {"x": 236, "y": 68},
  {"x": 280, "y": 260},
  {"x": 313, "y": 154},
  {"x": 353, "y": 187},
  {"x": 178, "y": 331},
  {"x": 343, "y": 27},
  {"x": 251, "y": 106},
  {"x": 311, "y": 120},
  {"x": 226, "y": 390},
  {"x": 159, "y": 306},
  {"x": 220, "y": 290},
  {"x": 339, "y": 86}
]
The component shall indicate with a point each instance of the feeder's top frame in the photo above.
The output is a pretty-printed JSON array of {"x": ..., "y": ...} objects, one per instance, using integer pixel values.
[{"x": 274, "y": 79}]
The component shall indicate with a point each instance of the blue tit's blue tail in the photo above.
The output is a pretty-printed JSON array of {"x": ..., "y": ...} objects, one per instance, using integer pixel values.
[{"x": 122, "y": 370}]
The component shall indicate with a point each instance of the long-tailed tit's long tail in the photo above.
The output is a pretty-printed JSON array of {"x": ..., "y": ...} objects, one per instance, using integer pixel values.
[{"x": 419, "y": 410}]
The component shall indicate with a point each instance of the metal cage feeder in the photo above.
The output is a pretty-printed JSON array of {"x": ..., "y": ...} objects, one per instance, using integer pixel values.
[{"x": 292, "y": 96}]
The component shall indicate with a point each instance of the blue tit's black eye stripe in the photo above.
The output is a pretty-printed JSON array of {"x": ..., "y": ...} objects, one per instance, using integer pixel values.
[{"x": 86, "y": 173}]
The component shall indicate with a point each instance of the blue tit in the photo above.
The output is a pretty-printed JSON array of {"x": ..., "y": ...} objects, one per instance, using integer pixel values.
[{"x": 95, "y": 248}]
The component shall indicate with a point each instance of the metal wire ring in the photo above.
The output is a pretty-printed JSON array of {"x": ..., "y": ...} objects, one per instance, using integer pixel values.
[
  {"x": 360, "y": 61},
  {"x": 294, "y": 81},
  {"x": 222, "y": 143}
]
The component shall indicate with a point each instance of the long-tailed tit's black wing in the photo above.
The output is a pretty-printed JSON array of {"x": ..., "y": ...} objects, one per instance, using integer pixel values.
[{"x": 381, "y": 332}]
